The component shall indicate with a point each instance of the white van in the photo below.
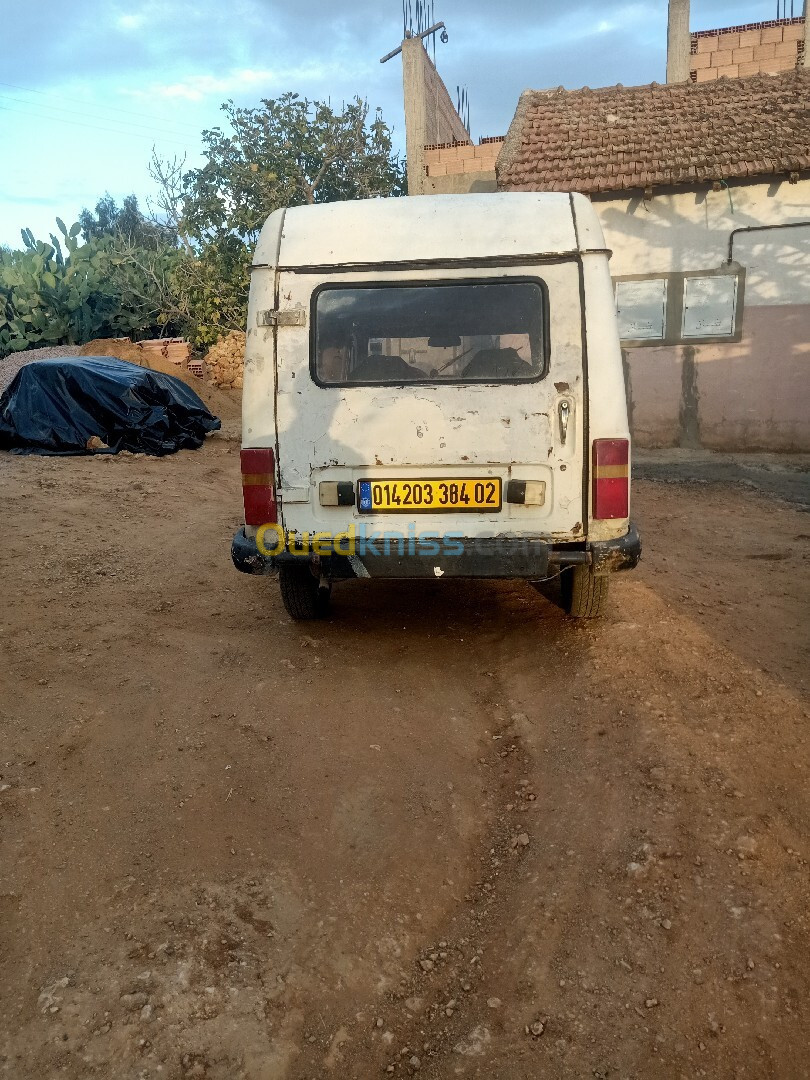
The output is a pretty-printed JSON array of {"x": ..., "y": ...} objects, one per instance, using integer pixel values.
[{"x": 433, "y": 388}]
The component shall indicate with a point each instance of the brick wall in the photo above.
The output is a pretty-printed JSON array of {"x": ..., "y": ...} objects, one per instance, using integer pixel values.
[
  {"x": 754, "y": 49},
  {"x": 449, "y": 159}
]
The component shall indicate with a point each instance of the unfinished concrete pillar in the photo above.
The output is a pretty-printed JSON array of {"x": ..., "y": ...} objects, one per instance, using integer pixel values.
[
  {"x": 678, "y": 41},
  {"x": 430, "y": 116},
  {"x": 414, "y": 92}
]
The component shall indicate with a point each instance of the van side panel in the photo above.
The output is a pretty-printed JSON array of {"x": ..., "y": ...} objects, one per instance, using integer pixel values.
[
  {"x": 607, "y": 399},
  {"x": 259, "y": 385}
]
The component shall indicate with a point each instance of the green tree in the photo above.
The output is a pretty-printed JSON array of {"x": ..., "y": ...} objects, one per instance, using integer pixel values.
[
  {"x": 212, "y": 288},
  {"x": 285, "y": 152},
  {"x": 125, "y": 221}
]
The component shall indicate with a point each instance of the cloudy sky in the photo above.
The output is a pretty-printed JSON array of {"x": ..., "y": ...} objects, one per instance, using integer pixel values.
[{"x": 86, "y": 88}]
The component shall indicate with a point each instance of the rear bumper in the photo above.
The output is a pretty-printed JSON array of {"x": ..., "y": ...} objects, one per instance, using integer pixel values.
[
  {"x": 485, "y": 557},
  {"x": 246, "y": 556},
  {"x": 608, "y": 556}
]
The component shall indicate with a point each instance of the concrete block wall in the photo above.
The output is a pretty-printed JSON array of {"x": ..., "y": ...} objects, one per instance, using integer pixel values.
[
  {"x": 447, "y": 158},
  {"x": 754, "y": 49},
  {"x": 456, "y": 168}
]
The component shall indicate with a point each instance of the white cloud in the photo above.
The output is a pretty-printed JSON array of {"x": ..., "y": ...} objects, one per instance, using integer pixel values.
[
  {"x": 130, "y": 22},
  {"x": 627, "y": 17},
  {"x": 199, "y": 87}
]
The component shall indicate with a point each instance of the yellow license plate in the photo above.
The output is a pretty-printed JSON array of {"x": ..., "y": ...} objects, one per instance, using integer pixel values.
[{"x": 459, "y": 495}]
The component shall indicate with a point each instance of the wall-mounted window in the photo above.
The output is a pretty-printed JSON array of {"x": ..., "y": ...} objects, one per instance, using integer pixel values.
[
  {"x": 642, "y": 309},
  {"x": 709, "y": 306},
  {"x": 674, "y": 309}
]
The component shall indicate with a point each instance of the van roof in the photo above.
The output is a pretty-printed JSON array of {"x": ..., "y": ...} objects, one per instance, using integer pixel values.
[{"x": 429, "y": 228}]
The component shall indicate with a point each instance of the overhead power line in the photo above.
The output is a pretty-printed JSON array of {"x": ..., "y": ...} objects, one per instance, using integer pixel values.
[
  {"x": 128, "y": 124},
  {"x": 123, "y": 132},
  {"x": 95, "y": 105}
]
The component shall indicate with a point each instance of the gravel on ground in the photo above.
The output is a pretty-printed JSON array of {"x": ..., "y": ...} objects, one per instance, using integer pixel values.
[{"x": 11, "y": 364}]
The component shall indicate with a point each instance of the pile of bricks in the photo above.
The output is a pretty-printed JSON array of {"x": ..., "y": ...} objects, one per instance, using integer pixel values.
[
  {"x": 176, "y": 350},
  {"x": 447, "y": 159},
  {"x": 754, "y": 49}
]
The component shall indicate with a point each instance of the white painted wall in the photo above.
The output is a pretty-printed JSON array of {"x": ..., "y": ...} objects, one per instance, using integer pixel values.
[
  {"x": 690, "y": 230},
  {"x": 753, "y": 394},
  {"x": 777, "y": 266}
]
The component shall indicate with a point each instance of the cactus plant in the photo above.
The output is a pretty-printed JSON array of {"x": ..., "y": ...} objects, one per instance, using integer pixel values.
[{"x": 68, "y": 292}]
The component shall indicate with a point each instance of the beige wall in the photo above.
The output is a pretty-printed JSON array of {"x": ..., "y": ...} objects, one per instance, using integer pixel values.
[
  {"x": 689, "y": 230},
  {"x": 430, "y": 116},
  {"x": 460, "y": 183},
  {"x": 750, "y": 394},
  {"x": 739, "y": 51}
]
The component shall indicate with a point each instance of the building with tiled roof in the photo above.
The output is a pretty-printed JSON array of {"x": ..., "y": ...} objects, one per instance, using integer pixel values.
[
  {"x": 702, "y": 186},
  {"x": 703, "y": 192},
  {"x": 622, "y": 137}
]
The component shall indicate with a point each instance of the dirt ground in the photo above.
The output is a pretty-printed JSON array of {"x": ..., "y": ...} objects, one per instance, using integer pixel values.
[{"x": 445, "y": 832}]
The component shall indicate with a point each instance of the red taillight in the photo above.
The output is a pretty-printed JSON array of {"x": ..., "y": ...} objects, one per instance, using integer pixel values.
[
  {"x": 259, "y": 486},
  {"x": 611, "y": 478}
]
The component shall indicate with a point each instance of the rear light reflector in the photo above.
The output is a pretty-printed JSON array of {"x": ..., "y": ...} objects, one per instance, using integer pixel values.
[
  {"x": 259, "y": 486},
  {"x": 336, "y": 493},
  {"x": 611, "y": 478},
  {"x": 527, "y": 492}
]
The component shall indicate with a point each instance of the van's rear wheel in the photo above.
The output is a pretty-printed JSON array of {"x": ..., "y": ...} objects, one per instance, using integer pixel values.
[
  {"x": 584, "y": 594},
  {"x": 302, "y": 593}
]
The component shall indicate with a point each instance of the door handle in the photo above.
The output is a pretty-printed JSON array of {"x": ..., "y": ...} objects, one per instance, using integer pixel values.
[{"x": 564, "y": 411}]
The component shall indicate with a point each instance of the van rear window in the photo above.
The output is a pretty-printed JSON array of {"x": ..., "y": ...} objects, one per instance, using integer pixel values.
[{"x": 464, "y": 332}]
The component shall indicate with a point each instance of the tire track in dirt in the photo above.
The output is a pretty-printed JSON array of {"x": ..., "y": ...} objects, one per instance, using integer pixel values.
[
  {"x": 645, "y": 894},
  {"x": 446, "y": 1009}
]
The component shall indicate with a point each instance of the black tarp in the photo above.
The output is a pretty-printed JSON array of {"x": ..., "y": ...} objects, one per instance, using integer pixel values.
[{"x": 97, "y": 404}]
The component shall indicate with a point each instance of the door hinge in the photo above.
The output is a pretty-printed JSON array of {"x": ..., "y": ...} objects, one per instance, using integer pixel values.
[{"x": 296, "y": 316}]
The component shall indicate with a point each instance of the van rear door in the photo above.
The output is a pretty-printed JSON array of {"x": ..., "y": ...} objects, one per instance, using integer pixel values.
[{"x": 450, "y": 397}]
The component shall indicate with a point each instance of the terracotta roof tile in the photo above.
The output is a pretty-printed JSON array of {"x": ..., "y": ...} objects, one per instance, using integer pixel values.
[{"x": 624, "y": 137}]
